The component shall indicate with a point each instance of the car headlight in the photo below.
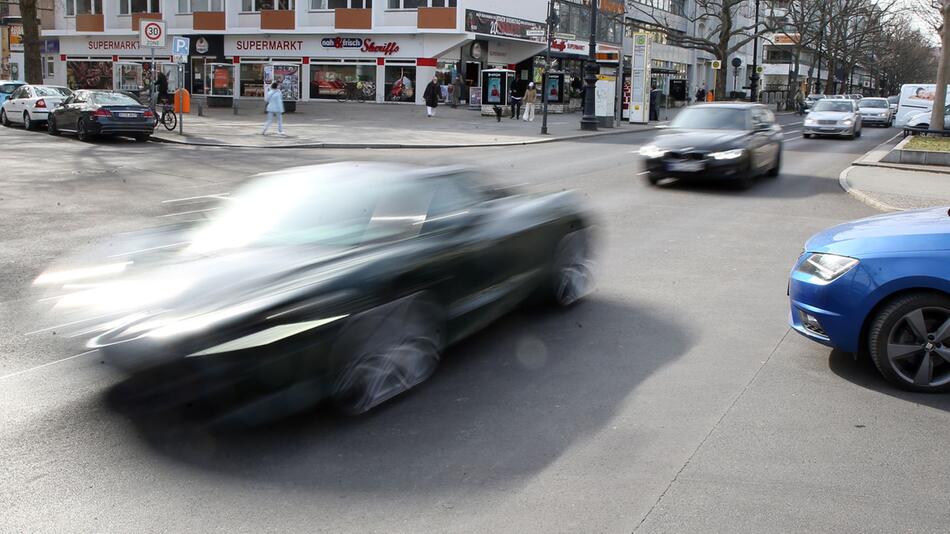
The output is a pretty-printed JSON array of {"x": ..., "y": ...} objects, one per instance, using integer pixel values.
[
  {"x": 847, "y": 122},
  {"x": 652, "y": 151},
  {"x": 810, "y": 122},
  {"x": 826, "y": 267},
  {"x": 727, "y": 154}
]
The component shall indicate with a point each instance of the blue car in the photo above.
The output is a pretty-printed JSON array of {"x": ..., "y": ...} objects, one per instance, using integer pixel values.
[
  {"x": 881, "y": 285},
  {"x": 7, "y": 87}
]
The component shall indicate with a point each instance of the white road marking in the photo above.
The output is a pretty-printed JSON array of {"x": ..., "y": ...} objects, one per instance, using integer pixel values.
[
  {"x": 642, "y": 173},
  {"x": 18, "y": 373},
  {"x": 148, "y": 249},
  {"x": 792, "y": 123},
  {"x": 186, "y": 213},
  {"x": 69, "y": 324},
  {"x": 216, "y": 196},
  {"x": 792, "y": 132}
]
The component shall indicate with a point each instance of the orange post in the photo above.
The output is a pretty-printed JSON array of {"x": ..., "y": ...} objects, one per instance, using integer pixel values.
[{"x": 182, "y": 101}]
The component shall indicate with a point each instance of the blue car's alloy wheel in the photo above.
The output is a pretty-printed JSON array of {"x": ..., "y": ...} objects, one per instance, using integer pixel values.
[{"x": 910, "y": 342}]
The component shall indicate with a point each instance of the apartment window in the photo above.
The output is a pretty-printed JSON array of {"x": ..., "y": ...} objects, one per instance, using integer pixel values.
[
  {"x": 50, "y": 66},
  {"x": 127, "y": 7},
  {"x": 261, "y": 5},
  {"x": 318, "y": 5},
  {"x": 413, "y": 4},
  {"x": 676, "y": 7},
  {"x": 83, "y": 7},
  {"x": 191, "y": 6}
]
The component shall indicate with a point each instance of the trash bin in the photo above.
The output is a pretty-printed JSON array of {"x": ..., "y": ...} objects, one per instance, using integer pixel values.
[{"x": 182, "y": 101}]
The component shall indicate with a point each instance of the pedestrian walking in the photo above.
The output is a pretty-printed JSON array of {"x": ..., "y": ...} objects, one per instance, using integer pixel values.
[
  {"x": 800, "y": 102},
  {"x": 701, "y": 94},
  {"x": 431, "y": 96},
  {"x": 515, "y": 101},
  {"x": 530, "y": 97},
  {"x": 162, "y": 87},
  {"x": 275, "y": 107}
]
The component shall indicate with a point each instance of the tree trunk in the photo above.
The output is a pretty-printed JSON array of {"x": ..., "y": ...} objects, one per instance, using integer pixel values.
[
  {"x": 940, "y": 95},
  {"x": 33, "y": 63}
]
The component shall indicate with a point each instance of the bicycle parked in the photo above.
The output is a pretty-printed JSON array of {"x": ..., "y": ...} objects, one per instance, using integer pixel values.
[{"x": 359, "y": 91}]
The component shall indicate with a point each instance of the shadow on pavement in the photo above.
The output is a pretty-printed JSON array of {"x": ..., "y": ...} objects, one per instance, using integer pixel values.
[
  {"x": 504, "y": 404},
  {"x": 786, "y": 186},
  {"x": 862, "y": 372}
]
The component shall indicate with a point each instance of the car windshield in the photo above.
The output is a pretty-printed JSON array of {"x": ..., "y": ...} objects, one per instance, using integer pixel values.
[
  {"x": 815, "y": 97},
  {"x": 8, "y": 88},
  {"x": 113, "y": 99},
  {"x": 879, "y": 103},
  {"x": 710, "y": 118},
  {"x": 51, "y": 91},
  {"x": 834, "y": 105},
  {"x": 302, "y": 208}
]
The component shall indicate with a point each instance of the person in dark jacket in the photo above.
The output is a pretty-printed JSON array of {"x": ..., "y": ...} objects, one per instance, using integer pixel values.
[
  {"x": 161, "y": 87},
  {"x": 431, "y": 96},
  {"x": 515, "y": 101}
]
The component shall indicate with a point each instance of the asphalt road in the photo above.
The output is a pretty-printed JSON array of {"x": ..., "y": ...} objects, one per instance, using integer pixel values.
[{"x": 675, "y": 399}]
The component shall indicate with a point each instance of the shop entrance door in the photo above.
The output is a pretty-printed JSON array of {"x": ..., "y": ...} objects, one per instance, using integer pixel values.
[{"x": 473, "y": 73}]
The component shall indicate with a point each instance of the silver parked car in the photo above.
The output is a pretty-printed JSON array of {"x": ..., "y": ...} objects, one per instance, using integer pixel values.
[
  {"x": 833, "y": 117},
  {"x": 922, "y": 119},
  {"x": 875, "y": 111}
]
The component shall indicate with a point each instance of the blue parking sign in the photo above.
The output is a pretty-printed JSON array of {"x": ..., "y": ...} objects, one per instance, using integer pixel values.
[{"x": 180, "y": 46}]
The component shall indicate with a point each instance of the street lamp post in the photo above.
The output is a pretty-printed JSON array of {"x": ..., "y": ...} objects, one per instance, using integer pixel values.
[
  {"x": 589, "y": 120},
  {"x": 754, "y": 80},
  {"x": 552, "y": 22}
]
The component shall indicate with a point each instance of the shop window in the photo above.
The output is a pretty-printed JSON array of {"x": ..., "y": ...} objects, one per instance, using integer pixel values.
[
  {"x": 252, "y": 79},
  {"x": 260, "y": 5},
  {"x": 414, "y": 4},
  {"x": 50, "y": 66},
  {"x": 400, "y": 84},
  {"x": 330, "y": 81},
  {"x": 191, "y": 6},
  {"x": 89, "y": 74},
  {"x": 127, "y": 7},
  {"x": 320, "y": 5},
  {"x": 83, "y": 7}
]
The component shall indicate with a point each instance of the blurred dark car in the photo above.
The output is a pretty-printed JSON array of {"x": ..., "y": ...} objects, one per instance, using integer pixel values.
[
  {"x": 735, "y": 142},
  {"x": 342, "y": 281},
  {"x": 90, "y": 113}
]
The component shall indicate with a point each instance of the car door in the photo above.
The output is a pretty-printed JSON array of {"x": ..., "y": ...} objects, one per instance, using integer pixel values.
[
  {"x": 775, "y": 136},
  {"x": 761, "y": 138},
  {"x": 71, "y": 111},
  {"x": 14, "y": 104}
]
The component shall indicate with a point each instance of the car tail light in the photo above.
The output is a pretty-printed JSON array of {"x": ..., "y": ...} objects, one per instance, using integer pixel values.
[
  {"x": 102, "y": 113},
  {"x": 41, "y": 103},
  {"x": 148, "y": 114}
]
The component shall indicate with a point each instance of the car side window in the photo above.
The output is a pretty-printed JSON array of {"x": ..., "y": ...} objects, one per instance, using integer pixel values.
[
  {"x": 769, "y": 116},
  {"x": 759, "y": 118},
  {"x": 452, "y": 197},
  {"x": 17, "y": 93}
]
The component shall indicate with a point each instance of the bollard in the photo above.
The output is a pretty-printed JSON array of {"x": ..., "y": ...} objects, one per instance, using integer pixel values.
[
  {"x": 201, "y": 109},
  {"x": 234, "y": 105}
]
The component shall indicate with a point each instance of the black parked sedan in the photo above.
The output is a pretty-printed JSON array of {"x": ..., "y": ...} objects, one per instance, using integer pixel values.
[
  {"x": 92, "y": 113},
  {"x": 342, "y": 281},
  {"x": 736, "y": 142}
]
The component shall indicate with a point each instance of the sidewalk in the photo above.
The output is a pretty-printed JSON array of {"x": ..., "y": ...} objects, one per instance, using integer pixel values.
[
  {"x": 895, "y": 187},
  {"x": 352, "y": 125}
]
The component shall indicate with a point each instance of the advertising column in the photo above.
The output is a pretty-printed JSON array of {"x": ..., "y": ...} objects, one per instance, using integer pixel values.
[{"x": 640, "y": 80}]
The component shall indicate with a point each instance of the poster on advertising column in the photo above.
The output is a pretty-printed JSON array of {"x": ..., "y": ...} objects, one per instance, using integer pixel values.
[
  {"x": 640, "y": 79},
  {"x": 287, "y": 78}
]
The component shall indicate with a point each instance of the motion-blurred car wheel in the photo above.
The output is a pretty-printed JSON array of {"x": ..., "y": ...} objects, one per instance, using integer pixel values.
[{"x": 909, "y": 342}]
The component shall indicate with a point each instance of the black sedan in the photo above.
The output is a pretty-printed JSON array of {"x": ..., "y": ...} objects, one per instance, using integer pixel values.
[
  {"x": 342, "y": 281},
  {"x": 92, "y": 113},
  {"x": 735, "y": 142}
]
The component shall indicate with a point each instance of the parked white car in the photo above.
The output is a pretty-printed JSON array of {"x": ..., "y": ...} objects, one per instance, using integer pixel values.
[
  {"x": 875, "y": 111},
  {"x": 30, "y": 105},
  {"x": 921, "y": 119}
]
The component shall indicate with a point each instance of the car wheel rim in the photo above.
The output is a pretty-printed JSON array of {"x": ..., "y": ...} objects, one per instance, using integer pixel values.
[
  {"x": 918, "y": 347},
  {"x": 26, "y": 121},
  {"x": 574, "y": 275},
  {"x": 81, "y": 133}
]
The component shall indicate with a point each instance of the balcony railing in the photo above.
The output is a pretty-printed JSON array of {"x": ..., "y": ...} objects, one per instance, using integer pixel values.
[
  {"x": 208, "y": 20},
  {"x": 90, "y": 23},
  {"x": 437, "y": 18},
  {"x": 138, "y": 17},
  {"x": 278, "y": 19},
  {"x": 353, "y": 19}
]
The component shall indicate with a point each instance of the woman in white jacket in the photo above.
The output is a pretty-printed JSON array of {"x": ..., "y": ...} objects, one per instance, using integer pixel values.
[{"x": 275, "y": 106}]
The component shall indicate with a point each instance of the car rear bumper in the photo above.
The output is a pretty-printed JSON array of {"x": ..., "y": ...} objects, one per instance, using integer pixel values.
[
  {"x": 121, "y": 128},
  {"x": 39, "y": 115}
]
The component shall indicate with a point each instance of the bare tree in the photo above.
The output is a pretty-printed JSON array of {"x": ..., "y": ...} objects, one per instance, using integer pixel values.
[
  {"x": 33, "y": 62},
  {"x": 798, "y": 23},
  {"x": 724, "y": 31}
]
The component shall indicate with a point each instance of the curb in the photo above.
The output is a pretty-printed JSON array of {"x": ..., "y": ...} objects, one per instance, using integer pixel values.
[
  {"x": 861, "y": 195},
  {"x": 391, "y": 146}
]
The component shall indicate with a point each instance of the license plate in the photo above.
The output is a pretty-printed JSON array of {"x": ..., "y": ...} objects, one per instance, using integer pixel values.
[
  {"x": 685, "y": 166},
  {"x": 128, "y": 115},
  {"x": 828, "y": 129}
]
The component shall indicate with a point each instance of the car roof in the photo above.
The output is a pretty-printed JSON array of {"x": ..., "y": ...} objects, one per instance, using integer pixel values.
[
  {"x": 730, "y": 105},
  {"x": 12, "y": 82}
]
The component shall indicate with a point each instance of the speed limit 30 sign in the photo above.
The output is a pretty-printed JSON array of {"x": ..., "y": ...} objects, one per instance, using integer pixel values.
[{"x": 152, "y": 33}]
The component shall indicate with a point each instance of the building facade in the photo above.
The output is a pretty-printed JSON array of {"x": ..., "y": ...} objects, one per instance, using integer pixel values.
[{"x": 315, "y": 47}]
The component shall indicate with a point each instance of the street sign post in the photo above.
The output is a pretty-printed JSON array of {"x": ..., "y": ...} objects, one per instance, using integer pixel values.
[
  {"x": 180, "y": 48},
  {"x": 152, "y": 35},
  {"x": 640, "y": 79}
]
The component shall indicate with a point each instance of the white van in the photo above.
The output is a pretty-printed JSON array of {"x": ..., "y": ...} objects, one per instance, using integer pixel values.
[{"x": 915, "y": 97}]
